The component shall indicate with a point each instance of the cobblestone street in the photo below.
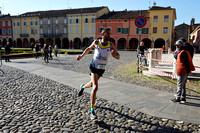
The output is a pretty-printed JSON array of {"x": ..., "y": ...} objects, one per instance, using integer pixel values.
[{"x": 30, "y": 103}]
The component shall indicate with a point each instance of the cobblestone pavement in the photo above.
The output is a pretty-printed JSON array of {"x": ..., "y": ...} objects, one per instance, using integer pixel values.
[{"x": 29, "y": 103}]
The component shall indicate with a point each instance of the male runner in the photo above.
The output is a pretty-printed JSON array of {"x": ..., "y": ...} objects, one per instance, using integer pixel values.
[{"x": 103, "y": 47}]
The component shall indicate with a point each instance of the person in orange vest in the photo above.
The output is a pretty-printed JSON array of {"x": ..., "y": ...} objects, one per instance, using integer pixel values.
[{"x": 184, "y": 67}]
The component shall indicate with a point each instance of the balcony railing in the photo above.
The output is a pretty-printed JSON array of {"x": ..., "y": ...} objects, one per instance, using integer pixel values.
[
  {"x": 24, "y": 35},
  {"x": 51, "y": 34}
]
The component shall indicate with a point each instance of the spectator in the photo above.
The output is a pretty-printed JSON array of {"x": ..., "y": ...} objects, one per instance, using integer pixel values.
[
  {"x": 32, "y": 46},
  {"x": 184, "y": 67},
  {"x": 45, "y": 49},
  {"x": 163, "y": 49},
  {"x": 50, "y": 52},
  {"x": 141, "y": 49},
  {"x": 7, "y": 51},
  {"x": 55, "y": 50},
  {"x": 187, "y": 46},
  {"x": 37, "y": 48}
]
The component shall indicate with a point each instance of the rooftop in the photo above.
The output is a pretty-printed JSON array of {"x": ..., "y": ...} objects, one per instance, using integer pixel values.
[
  {"x": 161, "y": 8},
  {"x": 124, "y": 14},
  {"x": 62, "y": 12}
]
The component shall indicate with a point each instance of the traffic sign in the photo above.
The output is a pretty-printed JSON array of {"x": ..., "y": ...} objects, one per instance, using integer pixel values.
[{"x": 140, "y": 21}]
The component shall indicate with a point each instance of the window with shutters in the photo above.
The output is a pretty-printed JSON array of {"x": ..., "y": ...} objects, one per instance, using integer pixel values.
[
  {"x": 125, "y": 30},
  {"x": 86, "y": 20},
  {"x": 93, "y": 20},
  {"x": 166, "y": 18},
  {"x": 165, "y": 30},
  {"x": 100, "y": 29},
  {"x": 154, "y": 29},
  {"x": 155, "y": 18},
  {"x": 119, "y": 29},
  {"x": 93, "y": 29},
  {"x": 86, "y": 29}
]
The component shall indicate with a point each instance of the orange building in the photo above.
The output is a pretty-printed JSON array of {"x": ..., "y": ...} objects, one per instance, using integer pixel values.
[{"x": 124, "y": 33}]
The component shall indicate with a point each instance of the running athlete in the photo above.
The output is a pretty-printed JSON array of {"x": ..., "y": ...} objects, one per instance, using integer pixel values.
[{"x": 103, "y": 48}]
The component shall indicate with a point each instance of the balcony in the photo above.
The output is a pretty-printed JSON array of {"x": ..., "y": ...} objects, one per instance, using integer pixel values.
[
  {"x": 24, "y": 35},
  {"x": 51, "y": 34}
]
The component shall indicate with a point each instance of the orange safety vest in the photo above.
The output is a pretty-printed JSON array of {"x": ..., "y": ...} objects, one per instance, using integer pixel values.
[{"x": 180, "y": 64}]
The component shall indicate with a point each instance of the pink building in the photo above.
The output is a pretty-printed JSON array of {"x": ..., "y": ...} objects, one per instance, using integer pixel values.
[
  {"x": 5, "y": 29},
  {"x": 124, "y": 33}
]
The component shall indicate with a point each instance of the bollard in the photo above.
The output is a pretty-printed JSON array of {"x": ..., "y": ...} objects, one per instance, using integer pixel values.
[
  {"x": 152, "y": 55},
  {"x": 158, "y": 55},
  {"x": 169, "y": 50}
]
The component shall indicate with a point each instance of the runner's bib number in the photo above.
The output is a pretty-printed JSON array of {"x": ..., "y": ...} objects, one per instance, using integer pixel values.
[{"x": 101, "y": 66}]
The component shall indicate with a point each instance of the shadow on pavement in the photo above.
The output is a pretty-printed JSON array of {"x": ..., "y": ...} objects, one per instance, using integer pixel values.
[
  {"x": 137, "y": 126},
  {"x": 192, "y": 104},
  {"x": 21, "y": 62}
]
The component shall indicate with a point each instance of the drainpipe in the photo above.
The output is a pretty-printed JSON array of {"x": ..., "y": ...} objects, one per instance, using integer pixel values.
[{"x": 81, "y": 28}]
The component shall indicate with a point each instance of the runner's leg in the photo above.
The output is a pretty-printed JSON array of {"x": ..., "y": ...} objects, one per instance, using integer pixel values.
[{"x": 94, "y": 79}]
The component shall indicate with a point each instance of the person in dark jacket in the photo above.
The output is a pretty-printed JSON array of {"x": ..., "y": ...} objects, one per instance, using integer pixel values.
[
  {"x": 37, "y": 48},
  {"x": 184, "y": 67},
  {"x": 46, "y": 51},
  {"x": 141, "y": 49},
  {"x": 187, "y": 46},
  {"x": 7, "y": 51}
]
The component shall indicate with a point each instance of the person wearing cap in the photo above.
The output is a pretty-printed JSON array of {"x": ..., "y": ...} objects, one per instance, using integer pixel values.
[
  {"x": 187, "y": 46},
  {"x": 184, "y": 67}
]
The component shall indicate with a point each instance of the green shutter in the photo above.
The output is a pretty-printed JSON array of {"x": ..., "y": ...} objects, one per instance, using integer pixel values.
[
  {"x": 137, "y": 30},
  {"x": 127, "y": 30}
]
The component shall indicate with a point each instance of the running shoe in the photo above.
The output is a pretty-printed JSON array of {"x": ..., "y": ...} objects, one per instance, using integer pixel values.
[
  {"x": 93, "y": 115},
  {"x": 81, "y": 90}
]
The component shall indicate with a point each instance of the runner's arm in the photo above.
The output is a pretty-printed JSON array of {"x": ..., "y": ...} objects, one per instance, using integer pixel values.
[
  {"x": 87, "y": 50},
  {"x": 117, "y": 56}
]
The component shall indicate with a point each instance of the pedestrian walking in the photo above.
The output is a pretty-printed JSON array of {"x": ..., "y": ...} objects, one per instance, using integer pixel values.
[
  {"x": 45, "y": 50},
  {"x": 184, "y": 67},
  {"x": 103, "y": 48},
  {"x": 37, "y": 48},
  {"x": 56, "y": 50},
  {"x": 50, "y": 52},
  {"x": 7, "y": 51},
  {"x": 32, "y": 46}
]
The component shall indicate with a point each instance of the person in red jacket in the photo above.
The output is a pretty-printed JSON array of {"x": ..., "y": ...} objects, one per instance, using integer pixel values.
[{"x": 184, "y": 67}]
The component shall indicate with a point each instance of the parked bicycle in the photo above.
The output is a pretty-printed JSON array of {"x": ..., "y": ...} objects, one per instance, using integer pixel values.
[{"x": 141, "y": 61}]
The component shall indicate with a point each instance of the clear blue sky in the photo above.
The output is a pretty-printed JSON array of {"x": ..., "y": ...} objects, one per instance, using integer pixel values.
[{"x": 185, "y": 9}]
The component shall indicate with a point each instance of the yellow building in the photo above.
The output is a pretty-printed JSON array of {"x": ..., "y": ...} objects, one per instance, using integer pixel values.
[
  {"x": 161, "y": 27},
  {"x": 81, "y": 25},
  {"x": 25, "y": 30}
]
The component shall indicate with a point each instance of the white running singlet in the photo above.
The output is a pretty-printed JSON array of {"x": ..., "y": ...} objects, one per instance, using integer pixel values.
[{"x": 101, "y": 55}]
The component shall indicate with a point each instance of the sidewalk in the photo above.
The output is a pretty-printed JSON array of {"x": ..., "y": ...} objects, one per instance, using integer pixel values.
[{"x": 146, "y": 100}]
